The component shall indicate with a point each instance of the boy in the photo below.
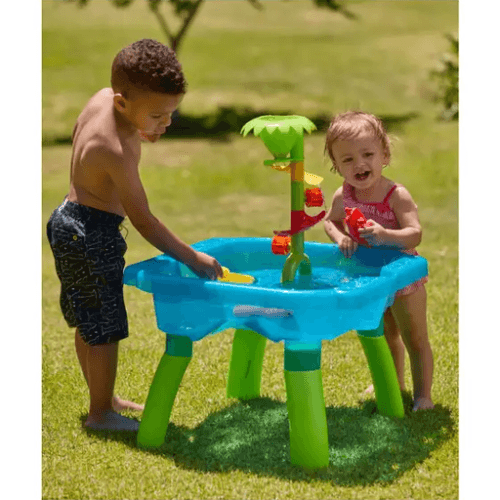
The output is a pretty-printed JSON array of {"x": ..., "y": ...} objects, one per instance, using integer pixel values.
[{"x": 147, "y": 86}]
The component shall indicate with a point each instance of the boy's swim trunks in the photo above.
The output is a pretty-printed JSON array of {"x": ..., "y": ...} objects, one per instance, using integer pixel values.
[{"x": 88, "y": 250}]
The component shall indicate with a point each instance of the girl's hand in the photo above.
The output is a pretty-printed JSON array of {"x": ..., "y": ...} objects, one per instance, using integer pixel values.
[
  {"x": 373, "y": 233},
  {"x": 347, "y": 246}
]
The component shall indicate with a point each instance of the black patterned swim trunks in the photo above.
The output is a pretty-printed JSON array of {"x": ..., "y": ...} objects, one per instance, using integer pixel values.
[{"x": 88, "y": 250}]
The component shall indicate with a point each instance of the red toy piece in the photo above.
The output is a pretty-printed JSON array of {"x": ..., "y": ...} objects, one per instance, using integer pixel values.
[
  {"x": 314, "y": 197},
  {"x": 300, "y": 221},
  {"x": 281, "y": 245},
  {"x": 353, "y": 221}
]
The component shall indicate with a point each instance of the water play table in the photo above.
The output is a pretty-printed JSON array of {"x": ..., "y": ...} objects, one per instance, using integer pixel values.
[{"x": 341, "y": 295}]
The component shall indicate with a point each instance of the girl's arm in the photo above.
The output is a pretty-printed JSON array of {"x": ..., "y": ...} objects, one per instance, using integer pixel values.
[
  {"x": 410, "y": 234},
  {"x": 333, "y": 219},
  {"x": 334, "y": 227}
]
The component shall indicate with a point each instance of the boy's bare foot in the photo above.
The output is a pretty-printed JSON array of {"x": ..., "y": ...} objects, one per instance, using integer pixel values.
[
  {"x": 111, "y": 421},
  {"x": 120, "y": 405},
  {"x": 423, "y": 404}
]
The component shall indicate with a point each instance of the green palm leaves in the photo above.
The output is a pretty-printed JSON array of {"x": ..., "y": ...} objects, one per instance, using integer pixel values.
[{"x": 279, "y": 133}]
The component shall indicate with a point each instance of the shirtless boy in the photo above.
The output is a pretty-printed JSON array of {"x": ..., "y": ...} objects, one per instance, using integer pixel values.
[{"x": 147, "y": 85}]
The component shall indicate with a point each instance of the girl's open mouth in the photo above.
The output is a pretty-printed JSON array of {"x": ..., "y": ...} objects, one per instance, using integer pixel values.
[{"x": 362, "y": 176}]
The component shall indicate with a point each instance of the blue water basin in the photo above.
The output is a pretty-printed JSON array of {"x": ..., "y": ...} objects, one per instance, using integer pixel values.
[{"x": 341, "y": 295}]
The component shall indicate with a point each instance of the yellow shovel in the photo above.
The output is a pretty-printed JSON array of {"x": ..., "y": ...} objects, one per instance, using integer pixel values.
[{"x": 230, "y": 277}]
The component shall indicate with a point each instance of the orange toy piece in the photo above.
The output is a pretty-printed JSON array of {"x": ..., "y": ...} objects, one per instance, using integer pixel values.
[
  {"x": 314, "y": 197},
  {"x": 281, "y": 245}
]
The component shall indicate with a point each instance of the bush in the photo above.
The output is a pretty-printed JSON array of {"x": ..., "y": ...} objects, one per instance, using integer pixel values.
[{"x": 447, "y": 77}]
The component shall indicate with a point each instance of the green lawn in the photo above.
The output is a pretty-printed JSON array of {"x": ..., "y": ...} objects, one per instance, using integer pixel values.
[{"x": 310, "y": 62}]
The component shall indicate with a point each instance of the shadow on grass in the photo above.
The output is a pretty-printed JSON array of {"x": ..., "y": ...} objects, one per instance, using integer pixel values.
[
  {"x": 229, "y": 120},
  {"x": 253, "y": 436}
]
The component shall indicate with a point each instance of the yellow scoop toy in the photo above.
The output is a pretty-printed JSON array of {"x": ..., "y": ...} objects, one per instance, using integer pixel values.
[
  {"x": 230, "y": 277},
  {"x": 312, "y": 179}
]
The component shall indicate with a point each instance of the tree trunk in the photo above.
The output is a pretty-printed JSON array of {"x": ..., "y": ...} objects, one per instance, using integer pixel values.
[{"x": 175, "y": 40}]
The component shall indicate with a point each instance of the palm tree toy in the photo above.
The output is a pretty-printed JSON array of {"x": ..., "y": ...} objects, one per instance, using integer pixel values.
[{"x": 284, "y": 138}]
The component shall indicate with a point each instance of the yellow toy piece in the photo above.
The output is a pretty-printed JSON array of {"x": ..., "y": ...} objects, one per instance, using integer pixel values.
[
  {"x": 230, "y": 277},
  {"x": 312, "y": 179}
]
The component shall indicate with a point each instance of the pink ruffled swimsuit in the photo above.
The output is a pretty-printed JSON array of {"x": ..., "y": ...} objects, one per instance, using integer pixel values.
[{"x": 383, "y": 214}]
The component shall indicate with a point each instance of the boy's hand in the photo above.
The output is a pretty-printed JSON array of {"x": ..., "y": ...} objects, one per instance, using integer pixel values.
[
  {"x": 347, "y": 246},
  {"x": 373, "y": 233},
  {"x": 205, "y": 266}
]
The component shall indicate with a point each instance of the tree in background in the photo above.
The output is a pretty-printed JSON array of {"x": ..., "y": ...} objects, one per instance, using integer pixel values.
[
  {"x": 186, "y": 10},
  {"x": 447, "y": 77}
]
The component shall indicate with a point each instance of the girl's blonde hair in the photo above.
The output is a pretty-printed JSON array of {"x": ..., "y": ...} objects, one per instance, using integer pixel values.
[{"x": 352, "y": 124}]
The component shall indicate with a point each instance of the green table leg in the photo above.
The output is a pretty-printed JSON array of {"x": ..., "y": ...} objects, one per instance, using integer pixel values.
[
  {"x": 383, "y": 371},
  {"x": 245, "y": 367},
  {"x": 163, "y": 390},
  {"x": 306, "y": 406}
]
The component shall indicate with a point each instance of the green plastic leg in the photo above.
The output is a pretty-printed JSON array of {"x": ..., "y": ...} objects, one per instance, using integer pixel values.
[
  {"x": 245, "y": 367},
  {"x": 161, "y": 396},
  {"x": 306, "y": 411},
  {"x": 383, "y": 371}
]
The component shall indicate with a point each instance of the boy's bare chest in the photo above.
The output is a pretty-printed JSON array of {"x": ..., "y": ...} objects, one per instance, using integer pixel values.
[{"x": 91, "y": 183}]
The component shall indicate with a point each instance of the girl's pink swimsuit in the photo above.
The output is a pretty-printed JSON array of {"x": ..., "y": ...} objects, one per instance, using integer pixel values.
[{"x": 382, "y": 213}]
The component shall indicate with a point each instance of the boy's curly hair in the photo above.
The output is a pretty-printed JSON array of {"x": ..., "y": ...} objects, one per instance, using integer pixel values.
[
  {"x": 350, "y": 125},
  {"x": 147, "y": 65}
]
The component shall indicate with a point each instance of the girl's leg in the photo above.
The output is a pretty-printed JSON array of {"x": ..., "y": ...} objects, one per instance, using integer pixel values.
[
  {"x": 393, "y": 337},
  {"x": 391, "y": 334},
  {"x": 410, "y": 313},
  {"x": 99, "y": 365}
]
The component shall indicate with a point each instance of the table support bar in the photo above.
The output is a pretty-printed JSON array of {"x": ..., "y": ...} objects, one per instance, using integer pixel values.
[
  {"x": 245, "y": 367},
  {"x": 162, "y": 393},
  {"x": 383, "y": 371},
  {"x": 307, "y": 418}
]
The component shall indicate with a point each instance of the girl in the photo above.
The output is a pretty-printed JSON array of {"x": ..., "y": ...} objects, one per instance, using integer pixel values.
[{"x": 359, "y": 149}]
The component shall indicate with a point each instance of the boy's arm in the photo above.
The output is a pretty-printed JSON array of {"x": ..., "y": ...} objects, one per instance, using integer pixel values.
[{"x": 125, "y": 176}]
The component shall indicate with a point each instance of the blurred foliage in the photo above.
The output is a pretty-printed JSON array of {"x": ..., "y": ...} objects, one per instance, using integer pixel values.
[
  {"x": 183, "y": 8},
  {"x": 335, "y": 5},
  {"x": 186, "y": 10},
  {"x": 121, "y": 3},
  {"x": 447, "y": 77}
]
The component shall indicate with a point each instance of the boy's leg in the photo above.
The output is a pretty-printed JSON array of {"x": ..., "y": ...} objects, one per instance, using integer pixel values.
[
  {"x": 88, "y": 251},
  {"x": 102, "y": 361},
  {"x": 118, "y": 404},
  {"x": 410, "y": 312},
  {"x": 81, "y": 352},
  {"x": 99, "y": 365}
]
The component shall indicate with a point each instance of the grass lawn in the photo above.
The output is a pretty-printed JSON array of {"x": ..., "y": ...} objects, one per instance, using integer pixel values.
[{"x": 218, "y": 448}]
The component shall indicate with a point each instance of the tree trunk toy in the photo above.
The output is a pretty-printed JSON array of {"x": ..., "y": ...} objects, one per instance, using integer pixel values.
[{"x": 273, "y": 293}]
